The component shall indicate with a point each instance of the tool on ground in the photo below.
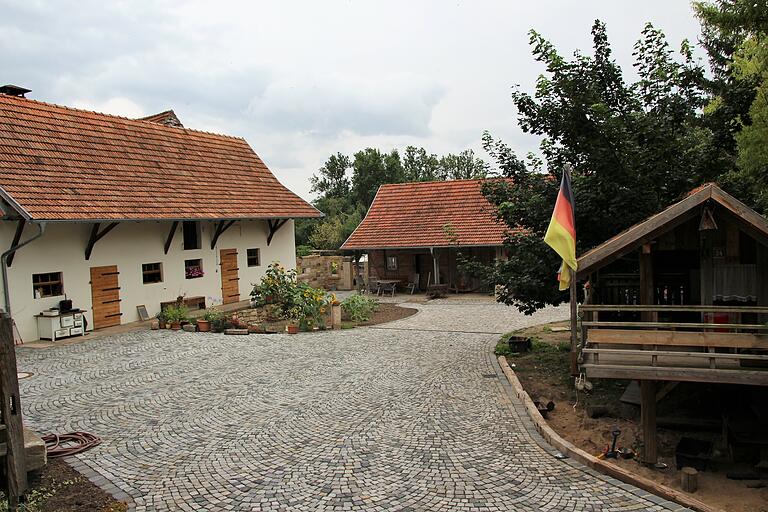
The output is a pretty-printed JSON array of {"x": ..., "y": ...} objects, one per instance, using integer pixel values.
[{"x": 64, "y": 445}]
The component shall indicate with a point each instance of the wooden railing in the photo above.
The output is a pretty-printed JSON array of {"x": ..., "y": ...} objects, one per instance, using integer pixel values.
[{"x": 674, "y": 350}]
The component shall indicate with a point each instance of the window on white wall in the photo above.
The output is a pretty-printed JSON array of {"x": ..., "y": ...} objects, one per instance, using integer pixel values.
[
  {"x": 152, "y": 273},
  {"x": 191, "y": 231},
  {"x": 254, "y": 257},
  {"x": 49, "y": 284},
  {"x": 193, "y": 269}
]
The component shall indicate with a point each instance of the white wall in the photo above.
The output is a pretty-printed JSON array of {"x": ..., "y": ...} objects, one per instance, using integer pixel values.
[{"x": 62, "y": 249}]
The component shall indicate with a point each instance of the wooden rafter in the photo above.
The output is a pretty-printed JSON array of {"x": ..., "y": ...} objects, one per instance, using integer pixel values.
[
  {"x": 97, "y": 235},
  {"x": 273, "y": 227},
  {"x": 16, "y": 239},
  {"x": 170, "y": 236},
  {"x": 221, "y": 227}
]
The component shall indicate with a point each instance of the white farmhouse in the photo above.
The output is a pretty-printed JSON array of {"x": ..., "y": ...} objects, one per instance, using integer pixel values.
[{"x": 114, "y": 213}]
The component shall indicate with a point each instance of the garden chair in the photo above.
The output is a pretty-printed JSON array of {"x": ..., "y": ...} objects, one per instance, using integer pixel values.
[
  {"x": 372, "y": 286},
  {"x": 388, "y": 288},
  {"x": 413, "y": 285}
]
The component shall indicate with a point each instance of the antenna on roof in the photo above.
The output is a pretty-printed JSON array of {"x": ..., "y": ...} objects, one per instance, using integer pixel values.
[{"x": 14, "y": 90}]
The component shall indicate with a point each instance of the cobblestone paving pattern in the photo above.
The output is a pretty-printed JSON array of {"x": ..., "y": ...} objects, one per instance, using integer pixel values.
[{"x": 363, "y": 419}]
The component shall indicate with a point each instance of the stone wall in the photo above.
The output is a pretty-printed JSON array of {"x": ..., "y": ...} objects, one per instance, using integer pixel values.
[{"x": 326, "y": 272}]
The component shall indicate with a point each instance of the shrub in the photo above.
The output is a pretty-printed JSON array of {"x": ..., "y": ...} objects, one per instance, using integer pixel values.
[
  {"x": 177, "y": 313},
  {"x": 280, "y": 291},
  {"x": 359, "y": 308}
]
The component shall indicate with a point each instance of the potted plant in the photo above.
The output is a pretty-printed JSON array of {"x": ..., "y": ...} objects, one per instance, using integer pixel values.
[
  {"x": 209, "y": 316},
  {"x": 162, "y": 319},
  {"x": 175, "y": 315}
]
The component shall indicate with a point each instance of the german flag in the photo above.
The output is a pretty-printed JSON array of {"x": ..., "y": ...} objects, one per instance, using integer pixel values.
[{"x": 561, "y": 233}]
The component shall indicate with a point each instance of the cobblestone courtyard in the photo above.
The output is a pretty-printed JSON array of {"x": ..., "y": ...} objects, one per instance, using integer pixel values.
[{"x": 407, "y": 416}]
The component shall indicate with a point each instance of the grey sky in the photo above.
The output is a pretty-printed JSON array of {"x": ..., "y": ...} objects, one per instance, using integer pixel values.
[{"x": 302, "y": 80}]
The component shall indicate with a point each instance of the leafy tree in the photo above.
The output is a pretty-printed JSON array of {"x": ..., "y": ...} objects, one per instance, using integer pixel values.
[
  {"x": 418, "y": 165},
  {"x": 371, "y": 169},
  {"x": 331, "y": 179},
  {"x": 735, "y": 37},
  {"x": 634, "y": 148},
  {"x": 463, "y": 166}
]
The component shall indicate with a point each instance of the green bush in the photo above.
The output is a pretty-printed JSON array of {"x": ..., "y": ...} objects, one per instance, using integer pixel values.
[
  {"x": 359, "y": 308},
  {"x": 291, "y": 299},
  {"x": 303, "y": 250},
  {"x": 177, "y": 313}
]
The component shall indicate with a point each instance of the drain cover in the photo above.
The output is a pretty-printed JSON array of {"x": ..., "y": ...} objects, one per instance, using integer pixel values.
[{"x": 489, "y": 375}]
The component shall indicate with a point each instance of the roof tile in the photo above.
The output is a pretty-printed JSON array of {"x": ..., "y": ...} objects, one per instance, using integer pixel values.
[
  {"x": 416, "y": 215},
  {"x": 60, "y": 163}
]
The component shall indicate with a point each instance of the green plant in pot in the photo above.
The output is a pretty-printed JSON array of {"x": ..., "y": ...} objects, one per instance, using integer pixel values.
[
  {"x": 162, "y": 319},
  {"x": 209, "y": 317},
  {"x": 175, "y": 315}
]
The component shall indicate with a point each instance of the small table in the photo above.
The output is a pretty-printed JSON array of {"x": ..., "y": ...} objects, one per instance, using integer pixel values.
[{"x": 386, "y": 285}]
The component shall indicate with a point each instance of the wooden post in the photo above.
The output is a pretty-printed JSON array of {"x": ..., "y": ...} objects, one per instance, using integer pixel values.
[
  {"x": 10, "y": 408},
  {"x": 648, "y": 420},
  {"x": 574, "y": 324},
  {"x": 435, "y": 264},
  {"x": 689, "y": 479}
]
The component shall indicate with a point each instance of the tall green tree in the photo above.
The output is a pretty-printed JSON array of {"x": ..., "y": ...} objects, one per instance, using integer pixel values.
[
  {"x": 332, "y": 178},
  {"x": 634, "y": 148},
  {"x": 734, "y": 34},
  {"x": 371, "y": 169}
]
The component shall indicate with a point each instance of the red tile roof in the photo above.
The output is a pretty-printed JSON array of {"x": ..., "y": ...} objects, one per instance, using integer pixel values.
[
  {"x": 58, "y": 163},
  {"x": 415, "y": 215}
]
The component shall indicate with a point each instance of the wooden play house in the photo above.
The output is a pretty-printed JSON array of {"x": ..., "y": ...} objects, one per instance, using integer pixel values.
[{"x": 679, "y": 297}]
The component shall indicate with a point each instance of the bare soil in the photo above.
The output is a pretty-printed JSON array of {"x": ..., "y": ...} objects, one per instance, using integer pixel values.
[
  {"x": 69, "y": 492},
  {"x": 388, "y": 313},
  {"x": 544, "y": 372}
]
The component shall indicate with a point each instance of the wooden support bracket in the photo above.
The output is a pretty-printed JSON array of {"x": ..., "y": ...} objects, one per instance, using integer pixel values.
[
  {"x": 16, "y": 239},
  {"x": 171, "y": 234},
  {"x": 97, "y": 235},
  {"x": 273, "y": 227},
  {"x": 221, "y": 227}
]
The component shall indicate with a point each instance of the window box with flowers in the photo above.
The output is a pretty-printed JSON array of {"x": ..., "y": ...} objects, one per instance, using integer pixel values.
[{"x": 193, "y": 269}]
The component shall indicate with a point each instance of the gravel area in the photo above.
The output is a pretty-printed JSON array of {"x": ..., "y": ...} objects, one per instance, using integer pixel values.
[{"x": 409, "y": 415}]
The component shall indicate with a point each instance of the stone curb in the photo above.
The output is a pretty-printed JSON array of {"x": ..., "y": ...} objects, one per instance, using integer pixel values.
[
  {"x": 101, "y": 481},
  {"x": 611, "y": 470}
]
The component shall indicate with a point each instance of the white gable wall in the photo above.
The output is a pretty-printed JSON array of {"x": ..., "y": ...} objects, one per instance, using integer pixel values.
[{"x": 129, "y": 245}]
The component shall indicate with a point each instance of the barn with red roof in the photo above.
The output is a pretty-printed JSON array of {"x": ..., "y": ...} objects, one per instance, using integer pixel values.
[{"x": 413, "y": 232}]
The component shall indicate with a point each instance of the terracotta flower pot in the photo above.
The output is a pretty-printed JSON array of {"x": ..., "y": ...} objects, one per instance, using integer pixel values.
[
  {"x": 292, "y": 329},
  {"x": 204, "y": 326},
  {"x": 175, "y": 326}
]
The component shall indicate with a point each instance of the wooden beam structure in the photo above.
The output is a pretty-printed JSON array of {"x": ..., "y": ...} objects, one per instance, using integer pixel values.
[
  {"x": 10, "y": 408},
  {"x": 221, "y": 227},
  {"x": 574, "y": 326},
  {"x": 273, "y": 227},
  {"x": 97, "y": 235},
  {"x": 16, "y": 239},
  {"x": 648, "y": 420},
  {"x": 169, "y": 238}
]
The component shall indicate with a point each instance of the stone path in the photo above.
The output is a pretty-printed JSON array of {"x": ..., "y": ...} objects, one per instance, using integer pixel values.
[{"x": 409, "y": 416}]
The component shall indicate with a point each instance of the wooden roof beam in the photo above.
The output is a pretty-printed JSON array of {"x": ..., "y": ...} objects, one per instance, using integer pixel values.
[{"x": 97, "y": 235}]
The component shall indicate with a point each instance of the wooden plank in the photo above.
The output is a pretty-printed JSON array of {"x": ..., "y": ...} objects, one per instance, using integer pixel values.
[
  {"x": 719, "y": 376},
  {"x": 700, "y": 355},
  {"x": 10, "y": 407},
  {"x": 677, "y": 325},
  {"x": 677, "y": 338},
  {"x": 105, "y": 296},
  {"x": 648, "y": 420},
  {"x": 657, "y": 307}
]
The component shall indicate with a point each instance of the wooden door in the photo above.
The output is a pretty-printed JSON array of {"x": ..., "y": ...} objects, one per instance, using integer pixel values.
[
  {"x": 105, "y": 296},
  {"x": 230, "y": 282}
]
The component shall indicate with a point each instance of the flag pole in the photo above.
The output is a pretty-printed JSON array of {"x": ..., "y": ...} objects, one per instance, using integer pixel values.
[{"x": 574, "y": 326}]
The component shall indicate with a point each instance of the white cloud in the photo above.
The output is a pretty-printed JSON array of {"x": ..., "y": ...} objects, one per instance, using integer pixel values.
[{"x": 302, "y": 80}]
